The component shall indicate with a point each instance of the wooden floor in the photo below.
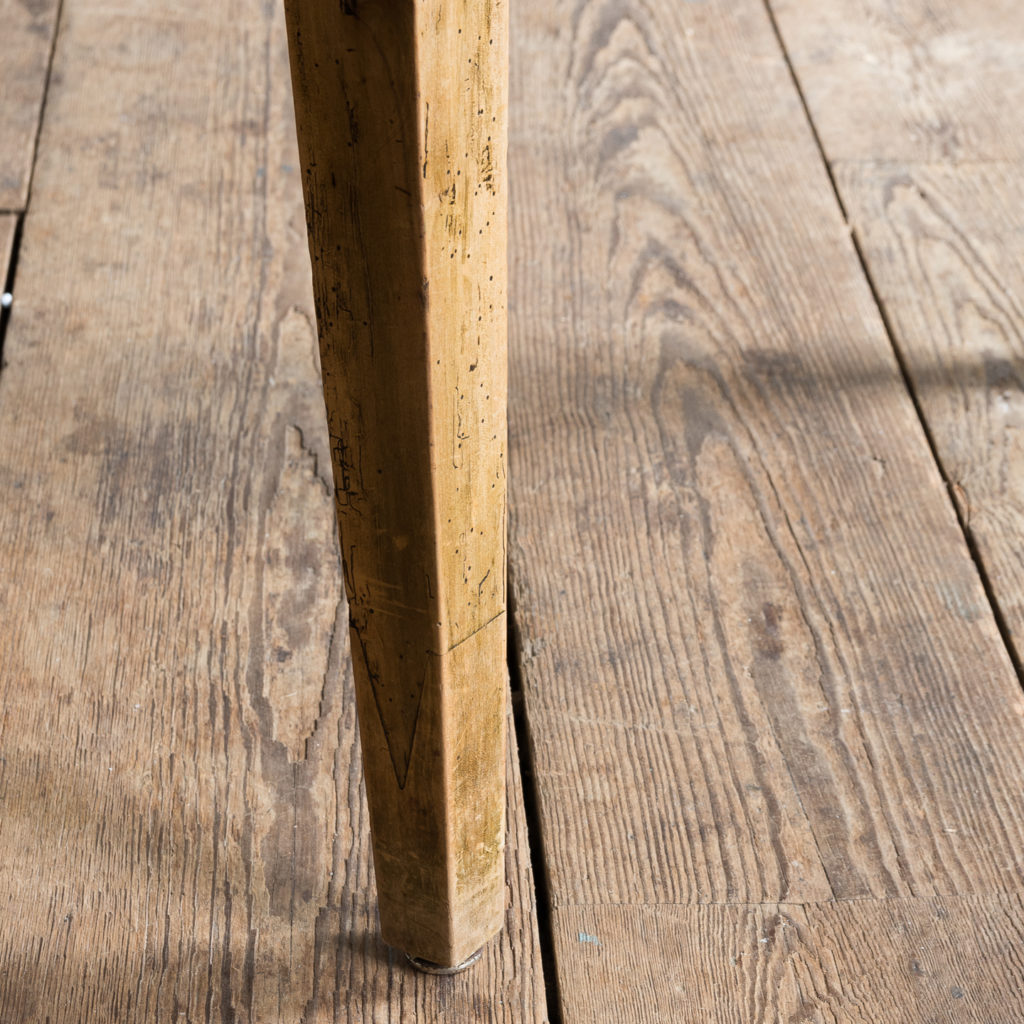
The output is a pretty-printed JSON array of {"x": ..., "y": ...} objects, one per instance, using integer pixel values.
[{"x": 767, "y": 539}]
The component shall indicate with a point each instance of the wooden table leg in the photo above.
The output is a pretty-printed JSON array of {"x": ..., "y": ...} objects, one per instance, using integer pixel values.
[{"x": 401, "y": 113}]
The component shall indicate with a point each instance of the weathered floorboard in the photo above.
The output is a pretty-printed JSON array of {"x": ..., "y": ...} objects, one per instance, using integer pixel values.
[
  {"x": 910, "y": 80},
  {"x": 941, "y": 959},
  {"x": 901, "y": 961},
  {"x": 183, "y": 832},
  {"x": 758, "y": 662},
  {"x": 944, "y": 247},
  {"x": 26, "y": 39},
  {"x": 931, "y": 183},
  {"x": 682, "y": 964}
]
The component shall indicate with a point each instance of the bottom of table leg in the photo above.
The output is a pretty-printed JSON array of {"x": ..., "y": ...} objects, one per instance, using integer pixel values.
[{"x": 429, "y": 967}]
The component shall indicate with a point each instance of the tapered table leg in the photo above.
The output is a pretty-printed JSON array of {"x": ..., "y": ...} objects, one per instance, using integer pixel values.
[{"x": 401, "y": 114}]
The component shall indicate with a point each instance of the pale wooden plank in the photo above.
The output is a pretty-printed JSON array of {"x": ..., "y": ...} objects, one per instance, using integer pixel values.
[
  {"x": 687, "y": 965},
  {"x": 739, "y": 578},
  {"x": 740, "y": 585},
  {"x": 944, "y": 248},
  {"x": 26, "y": 39},
  {"x": 941, "y": 241},
  {"x": 904, "y": 961},
  {"x": 70, "y": 958},
  {"x": 183, "y": 834},
  {"x": 896, "y": 961},
  {"x": 910, "y": 80}
]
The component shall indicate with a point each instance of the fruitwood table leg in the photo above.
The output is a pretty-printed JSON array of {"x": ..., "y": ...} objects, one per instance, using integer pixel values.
[{"x": 401, "y": 113}]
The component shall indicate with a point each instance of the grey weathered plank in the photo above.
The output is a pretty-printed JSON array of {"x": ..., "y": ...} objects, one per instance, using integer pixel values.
[
  {"x": 944, "y": 247},
  {"x": 945, "y": 959},
  {"x": 904, "y": 961},
  {"x": 937, "y": 215},
  {"x": 740, "y": 582},
  {"x": 758, "y": 662},
  {"x": 910, "y": 80},
  {"x": 27, "y": 28},
  {"x": 183, "y": 831},
  {"x": 688, "y": 964}
]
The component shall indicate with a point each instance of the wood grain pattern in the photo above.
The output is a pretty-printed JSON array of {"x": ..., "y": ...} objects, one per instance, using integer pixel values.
[
  {"x": 406, "y": 210},
  {"x": 782, "y": 662},
  {"x": 954, "y": 959},
  {"x": 910, "y": 80},
  {"x": 941, "y": 241},
  {"x": 944, "y": 959},
  {"x": 28, "y": 27},
  {"x": 183, "y": 835},
  {"x": 758, "y": 662},
  {"x": 944, "y": 248},
  {"x": 688, "y": 965}
]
